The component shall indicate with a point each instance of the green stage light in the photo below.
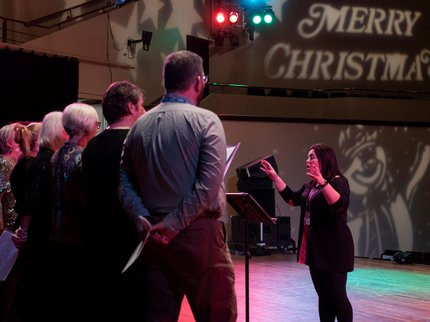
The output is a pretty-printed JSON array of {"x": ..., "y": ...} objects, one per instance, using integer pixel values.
[
  {"x": 268, "y": 17},
  {"x": 256, "y": 19},
  {"x": 262, "y": 14}
]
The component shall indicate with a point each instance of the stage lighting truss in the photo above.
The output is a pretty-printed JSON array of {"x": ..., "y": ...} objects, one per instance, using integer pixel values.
[
  {"x": 227, "y": 22},
  {"x": 260, "y": 15},
  {"x": 227, "y": 16},
  {"x": 257, "y": 16},
  {"x": 233, "y": 18}
]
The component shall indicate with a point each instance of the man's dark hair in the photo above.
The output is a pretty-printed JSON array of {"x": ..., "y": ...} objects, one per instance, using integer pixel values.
[
  {"x": 327, "y": 160},
  {"x": 180, "y": 70},
  {"x": 116, "y": 98}
]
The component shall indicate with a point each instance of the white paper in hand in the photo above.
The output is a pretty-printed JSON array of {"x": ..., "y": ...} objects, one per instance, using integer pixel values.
[
  {"x": 8, "y": 254},
  {"x": 136, "y": 253}
]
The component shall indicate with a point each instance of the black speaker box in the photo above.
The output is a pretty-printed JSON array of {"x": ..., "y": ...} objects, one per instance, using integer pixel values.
[
  {"x": 238, "y": 231},
  {"x": 417, "y": 257},
  {"x": 403, "y": 258},
  {"x": 388, "y": 254},
  {"x": 283, "y": 227},
  {"x": 426, "y": 258}
]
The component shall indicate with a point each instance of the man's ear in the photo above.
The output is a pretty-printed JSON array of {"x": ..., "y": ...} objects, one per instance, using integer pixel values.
[
  {"x": 131, "y": 107},
  {"x": 198, "y": 85}
]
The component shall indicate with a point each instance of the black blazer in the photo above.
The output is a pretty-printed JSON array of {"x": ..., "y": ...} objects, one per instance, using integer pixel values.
[{"x": 330, "y": 244}]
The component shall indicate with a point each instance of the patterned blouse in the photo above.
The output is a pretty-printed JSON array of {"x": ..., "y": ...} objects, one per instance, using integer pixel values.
[
  {"x": 8, "y": 200},
  {"x": 69, "y": 205}
]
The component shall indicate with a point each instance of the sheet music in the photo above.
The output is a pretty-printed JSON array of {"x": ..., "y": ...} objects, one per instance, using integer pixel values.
[
  {"x": 231, "y": 151},
  {"x": 246, "y": 205},
  {"x": 136, "y": 253},
  {"x": 8, "y": 254}
]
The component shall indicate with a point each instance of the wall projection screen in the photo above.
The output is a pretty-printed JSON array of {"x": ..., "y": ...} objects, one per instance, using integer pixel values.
[{"x": 388, "y": 168}]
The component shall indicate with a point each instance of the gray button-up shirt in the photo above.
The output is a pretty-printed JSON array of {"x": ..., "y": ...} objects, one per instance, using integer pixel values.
[{"x": 173, "y": 163}]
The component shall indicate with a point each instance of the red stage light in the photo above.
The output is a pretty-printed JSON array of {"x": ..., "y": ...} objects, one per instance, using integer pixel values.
[
  {"x": 234, "y": 17},
  {"x": 220, "y": 17}
]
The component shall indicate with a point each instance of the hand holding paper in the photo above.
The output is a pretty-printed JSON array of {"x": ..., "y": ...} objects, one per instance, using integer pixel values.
[
  {"x": 143, "y": 226},
  {"x": 162, "y": 234}
]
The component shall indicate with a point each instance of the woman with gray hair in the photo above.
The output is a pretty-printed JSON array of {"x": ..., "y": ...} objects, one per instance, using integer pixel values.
[
  {"x": 52, "y": 134},
  {"x": 67, "y": 256},
  {"x": 20, "y": 178}
]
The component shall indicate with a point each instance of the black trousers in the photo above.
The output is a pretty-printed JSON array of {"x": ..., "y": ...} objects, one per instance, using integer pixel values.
[
  {"x": 333, "y": 300},
  {"x": 196, "y": 264}
]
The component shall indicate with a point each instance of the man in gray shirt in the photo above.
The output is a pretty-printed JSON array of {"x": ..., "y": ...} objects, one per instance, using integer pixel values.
[{"x": 172, "y": 176}]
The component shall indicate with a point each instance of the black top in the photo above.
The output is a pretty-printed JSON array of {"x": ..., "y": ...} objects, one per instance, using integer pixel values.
[
  {"x": 111, "y": 233},
  {"x": 330, "y": 244},
  {"x": 20, "y": 181},
  {"x": 38, "y": 202}
]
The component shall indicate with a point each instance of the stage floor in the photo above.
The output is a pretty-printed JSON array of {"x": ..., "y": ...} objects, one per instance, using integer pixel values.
[{"x": 280, "y": 290}]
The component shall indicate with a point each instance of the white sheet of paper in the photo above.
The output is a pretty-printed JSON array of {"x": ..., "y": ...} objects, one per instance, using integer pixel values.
[
  {"x": 8, "y": 254},
  {"x": 231, "y": 151},
  {"x": 136, "y": 253}
]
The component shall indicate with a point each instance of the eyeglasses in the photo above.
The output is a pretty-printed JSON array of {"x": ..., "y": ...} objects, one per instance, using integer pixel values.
[
  {"x": 204, "y": 78},
  {"x": 98, "y": 125}
]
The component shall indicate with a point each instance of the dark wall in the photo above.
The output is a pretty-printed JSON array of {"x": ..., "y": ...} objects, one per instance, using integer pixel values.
[{"x": 32, "y": 85}]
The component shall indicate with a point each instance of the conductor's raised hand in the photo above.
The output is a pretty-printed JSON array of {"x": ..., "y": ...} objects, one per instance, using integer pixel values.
[
  {"x": 314, "y": 173},
  {"x": 268, "y": 169}
]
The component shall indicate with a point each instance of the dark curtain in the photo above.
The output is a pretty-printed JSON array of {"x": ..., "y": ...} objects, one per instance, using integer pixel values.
[{"x": 33, "y": 84}]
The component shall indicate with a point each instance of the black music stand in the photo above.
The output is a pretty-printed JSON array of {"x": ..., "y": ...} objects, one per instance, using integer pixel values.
[{"x": 249, "y": 209}]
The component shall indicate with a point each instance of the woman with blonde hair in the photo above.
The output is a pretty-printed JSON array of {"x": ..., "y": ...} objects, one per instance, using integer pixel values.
[
  {"x": 35, "y": 220},
  {"x": 26, "y": 136},
  {"x": 9, "y": 155},
  {"x": 10, "y": 140},
  {"x": 20, "y": 178}
]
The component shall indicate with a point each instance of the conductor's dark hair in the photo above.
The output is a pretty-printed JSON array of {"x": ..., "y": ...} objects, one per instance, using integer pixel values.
[{"x": 327, "y": 160}]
